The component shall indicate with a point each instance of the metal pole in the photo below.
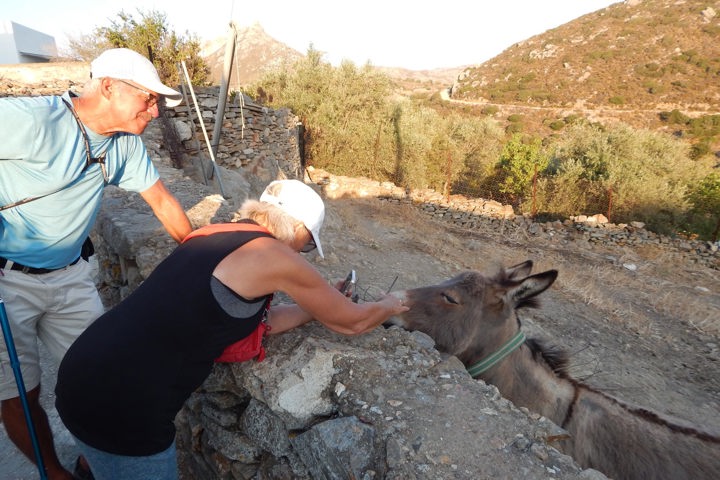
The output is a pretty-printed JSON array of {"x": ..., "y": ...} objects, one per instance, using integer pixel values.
[
  {"x": 224, "y": 86},
  {"x": 15, "y": 363}
]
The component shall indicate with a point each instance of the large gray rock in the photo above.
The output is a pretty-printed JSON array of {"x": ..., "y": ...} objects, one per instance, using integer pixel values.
[{"x": 380, "y": 405}]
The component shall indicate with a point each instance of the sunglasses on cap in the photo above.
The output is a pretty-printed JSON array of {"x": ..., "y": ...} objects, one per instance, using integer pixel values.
[{"x": 309, "y": 246}]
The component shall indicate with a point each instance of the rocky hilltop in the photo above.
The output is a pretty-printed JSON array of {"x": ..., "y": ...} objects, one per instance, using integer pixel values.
[
  {"x": 632, "y": 54},
  {"x": 256, "y": 53}
]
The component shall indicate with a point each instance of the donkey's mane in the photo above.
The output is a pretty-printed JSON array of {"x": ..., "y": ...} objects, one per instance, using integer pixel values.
[
  {"x": 557, "y": 359},
  {"x": 652, "y": 417}
]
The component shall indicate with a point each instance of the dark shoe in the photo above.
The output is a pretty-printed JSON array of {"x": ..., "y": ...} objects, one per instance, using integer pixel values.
[{"x": 82, "y": 473}]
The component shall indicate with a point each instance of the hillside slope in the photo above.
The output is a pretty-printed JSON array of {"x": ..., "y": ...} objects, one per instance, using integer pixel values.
[{"x": 638, "y": 53}]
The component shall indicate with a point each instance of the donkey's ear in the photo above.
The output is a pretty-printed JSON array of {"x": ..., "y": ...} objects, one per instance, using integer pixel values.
[
  {"x": 531, "y": 286},
  {"x": 519, "y": 271}
]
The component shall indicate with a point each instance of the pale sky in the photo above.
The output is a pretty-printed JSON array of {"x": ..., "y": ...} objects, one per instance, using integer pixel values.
[{"x": 414, "y": 34}]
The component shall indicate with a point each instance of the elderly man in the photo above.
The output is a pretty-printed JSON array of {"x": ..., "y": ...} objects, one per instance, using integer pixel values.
[{"x": 57, "y": 154}]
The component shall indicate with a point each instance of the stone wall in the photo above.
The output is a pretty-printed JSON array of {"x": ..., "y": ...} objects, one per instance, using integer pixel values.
[
  {"x": 42, "y": 78},
  {"x": 384, "y": 405},
  {"x": 253, "y": 137}
]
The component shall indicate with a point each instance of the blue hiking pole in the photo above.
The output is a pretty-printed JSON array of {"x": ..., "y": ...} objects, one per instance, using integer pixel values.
[{"x": 15, "y": 363}]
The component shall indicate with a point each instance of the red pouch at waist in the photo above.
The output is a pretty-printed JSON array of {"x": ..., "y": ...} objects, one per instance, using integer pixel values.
[{"x": 246, "y": 349}]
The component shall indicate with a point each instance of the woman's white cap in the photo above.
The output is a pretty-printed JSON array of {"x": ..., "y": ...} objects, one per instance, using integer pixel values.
[
  {"x": 300, "y": 202},
  {"x": 126, "y": 64}
]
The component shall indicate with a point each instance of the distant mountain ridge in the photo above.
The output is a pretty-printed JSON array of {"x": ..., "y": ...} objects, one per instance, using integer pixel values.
[{"x": 257, "y": 52}]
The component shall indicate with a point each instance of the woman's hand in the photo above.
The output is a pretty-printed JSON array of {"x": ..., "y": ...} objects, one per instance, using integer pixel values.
[{"x": 393, "y": 304}]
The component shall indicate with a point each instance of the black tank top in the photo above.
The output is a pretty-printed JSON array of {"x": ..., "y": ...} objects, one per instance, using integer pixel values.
[{"x": 124, "y": 379}]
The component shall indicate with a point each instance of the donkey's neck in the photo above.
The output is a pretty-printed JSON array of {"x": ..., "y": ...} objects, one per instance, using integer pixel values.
[{"x": 531, "y": 383}]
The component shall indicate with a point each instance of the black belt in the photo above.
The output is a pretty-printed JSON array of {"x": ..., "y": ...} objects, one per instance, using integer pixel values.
[{"x": 25, "y": 269}]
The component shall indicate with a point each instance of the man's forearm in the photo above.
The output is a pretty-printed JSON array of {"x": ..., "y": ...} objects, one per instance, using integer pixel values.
[
  {"x": 168, "y": 210},
  {"x": 175, "y": 222}
]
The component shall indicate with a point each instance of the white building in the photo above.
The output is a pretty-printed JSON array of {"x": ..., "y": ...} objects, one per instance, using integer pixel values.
[{"x": 20, "y": 44}]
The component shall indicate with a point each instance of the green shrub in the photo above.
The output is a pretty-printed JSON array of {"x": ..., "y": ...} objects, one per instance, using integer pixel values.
[
  {"x": 573, "y": 118},
  {"x": 599, "y": 55},
  {"x": 521, "y": 159},
  {"x": 652, "y": 70},
  {"x": 653, "y": 87},
  {"x": 674, "y": 117},
  {"x": 675, "y": 68},
  {"x": 704, "y": 217},
  {"x": 489, "y": 110},
  {"x": 646, "y": 173},
  {"x": 523, "y": 95},
  {"x": 527, "y": 78},
  {"x": 514, "y": 128},
  {"x": 498, "y": 95},
  {"x": 700, "y": 149},
  {"x": 657, "y": 90},
  {"x": 617, "y": 100},
  {"x": 705, "y": 126},
  {"x": 710, "y": 66}
]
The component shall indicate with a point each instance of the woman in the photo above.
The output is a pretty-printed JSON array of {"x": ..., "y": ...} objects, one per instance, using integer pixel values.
[{"x": 125, "y": 378}]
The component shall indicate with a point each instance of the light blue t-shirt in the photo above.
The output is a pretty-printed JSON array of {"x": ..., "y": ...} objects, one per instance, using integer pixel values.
[{"x": 42, "y": 150}]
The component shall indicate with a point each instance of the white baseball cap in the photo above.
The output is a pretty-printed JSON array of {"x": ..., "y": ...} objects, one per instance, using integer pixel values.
[
  {"x": 126, "y": 64},
  {"x": 300, "y": 202}
]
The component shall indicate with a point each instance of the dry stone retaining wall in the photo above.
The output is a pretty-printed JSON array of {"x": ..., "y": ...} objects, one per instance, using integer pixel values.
[
  {"x": 384, "y": 405},
  {"x": 252, "y": 135}
]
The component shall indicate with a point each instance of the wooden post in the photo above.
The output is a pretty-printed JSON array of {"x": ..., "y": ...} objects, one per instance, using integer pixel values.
[
  {"x": 448, "y": 178},
  {"x": 534, "y": 192}
]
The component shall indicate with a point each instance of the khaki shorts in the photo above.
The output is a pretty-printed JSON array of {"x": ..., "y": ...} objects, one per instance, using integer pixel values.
[{"x": 55, "y": 307}]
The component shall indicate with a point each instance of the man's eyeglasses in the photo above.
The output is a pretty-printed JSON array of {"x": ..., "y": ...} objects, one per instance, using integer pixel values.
[{"x": 151, "y": 99}]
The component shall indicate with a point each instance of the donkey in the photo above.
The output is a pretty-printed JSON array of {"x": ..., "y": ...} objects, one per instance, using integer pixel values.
[{"x": 473, "y": 317}]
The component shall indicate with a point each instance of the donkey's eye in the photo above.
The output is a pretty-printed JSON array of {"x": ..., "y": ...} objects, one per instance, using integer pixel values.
[{"x": 450, "y": 299}]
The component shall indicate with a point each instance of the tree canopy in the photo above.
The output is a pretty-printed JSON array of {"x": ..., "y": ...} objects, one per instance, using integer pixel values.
[{"x": 148, "y": 34}]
